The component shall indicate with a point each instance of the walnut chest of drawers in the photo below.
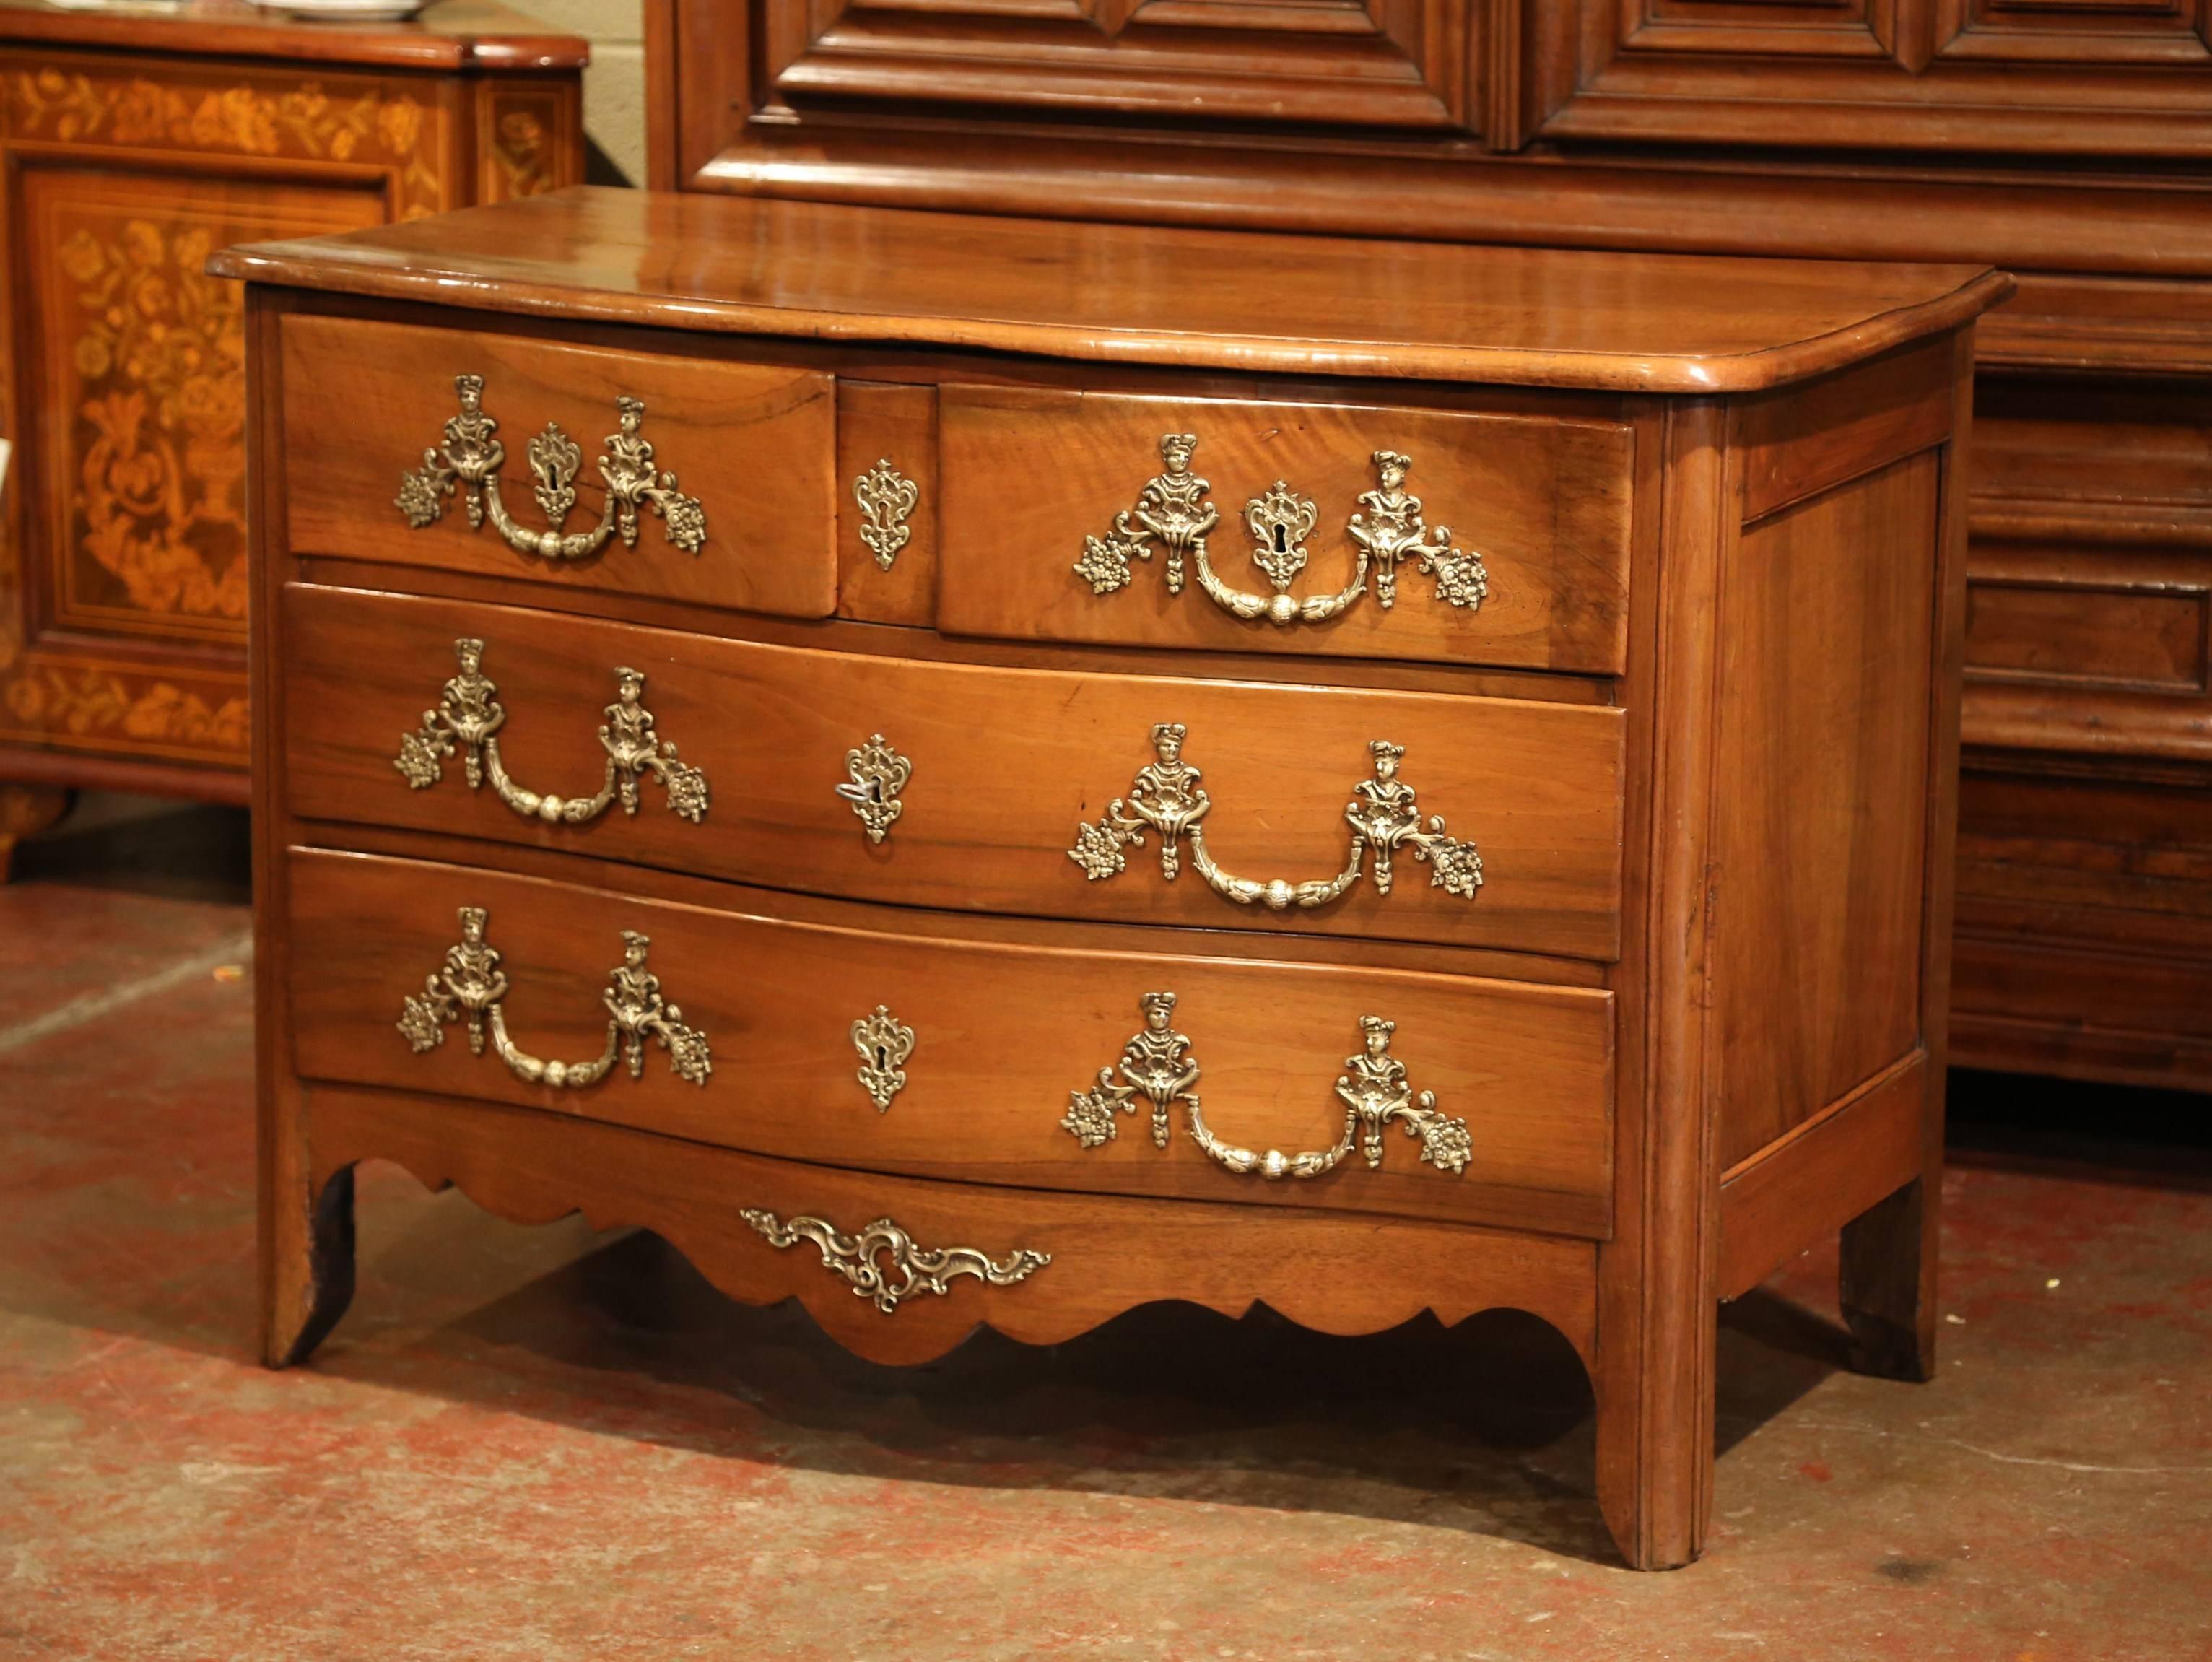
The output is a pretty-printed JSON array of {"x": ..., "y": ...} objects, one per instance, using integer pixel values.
[{"x": 971, "y": 771}]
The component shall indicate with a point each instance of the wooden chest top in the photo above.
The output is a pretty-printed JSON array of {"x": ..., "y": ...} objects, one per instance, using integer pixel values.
[{"x": 1138, "y": 294}]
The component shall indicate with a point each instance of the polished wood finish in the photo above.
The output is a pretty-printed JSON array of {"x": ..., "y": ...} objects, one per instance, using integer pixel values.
[
  {"x": 1316, "y": 1268},
  {"x": 1824, "y": 703},
  {"x": 135, "y": 143},
  {"x": 1007, "y": 765},
  {"x": 1714, "y": 926},
  {"x": 1005, "y": 1032},
  {"x": 1858, "y": 1151},
  {"x": 754, "y": 443},
  {"x": 1545, "y": 500},
  {"x": 1248, "y": 305},
  {"x": 2066, "y": 141}
]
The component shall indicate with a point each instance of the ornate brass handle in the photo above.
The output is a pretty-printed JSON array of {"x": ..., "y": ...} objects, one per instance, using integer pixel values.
[
  {"x": 1167, "y": 797},
  {"x": 868, "y": 1260},
  {"x": 1159, "y": 1066},
  {"x": 469, "y": 987},
  {"x": 1173, "y": 510},
  {"x": 469, "y": 716},
  {"x": 468, "y": 458}
]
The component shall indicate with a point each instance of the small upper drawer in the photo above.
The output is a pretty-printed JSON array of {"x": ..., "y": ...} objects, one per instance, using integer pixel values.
[
  {"x": 1346, "y": 529},
  {"x": 728, "y": 471}
]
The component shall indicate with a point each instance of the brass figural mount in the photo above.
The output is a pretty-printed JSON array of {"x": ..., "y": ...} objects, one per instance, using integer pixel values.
[
  {"x": 468, "y": 458},
  {"x": 1173, "y": 511},
  {"x": 1166, "y": 797},
  {"x": 1159, "y": 1068},
  {"x": 868, "y": 1260},
  {"x": 469, "y": 717},
  {"x": 469, "y": 987}
]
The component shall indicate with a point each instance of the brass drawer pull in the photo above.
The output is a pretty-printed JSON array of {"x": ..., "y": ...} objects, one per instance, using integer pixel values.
[
  {"x": 1173, "y": 510},
  {"x": 1167, "y": 797},
  {"x": 469, "y": 987},
  {"x": 469, "y": 715},
  {"x": 919, "y": 1268},
  {"x": 468, "y": 458},
  {"x": 1157, "y": 1065}
]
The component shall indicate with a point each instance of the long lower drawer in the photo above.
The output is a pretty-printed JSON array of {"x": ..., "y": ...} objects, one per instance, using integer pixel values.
[
  {"x": 882, "y": 1048},
  {"x": 1490, "y": 822}
]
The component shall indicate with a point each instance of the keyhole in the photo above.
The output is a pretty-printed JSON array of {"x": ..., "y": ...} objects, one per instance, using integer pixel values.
[
  {"x": 883, "y": 1060},
  {"x": 1282, "y": 540}
]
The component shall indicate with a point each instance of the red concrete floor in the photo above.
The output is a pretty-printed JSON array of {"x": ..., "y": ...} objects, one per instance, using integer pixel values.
[{"x": 542, "y": 1444}]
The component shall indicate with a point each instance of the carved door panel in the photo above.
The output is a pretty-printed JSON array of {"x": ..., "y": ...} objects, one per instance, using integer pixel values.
[
  {"x": 1381, "y": 63},
  {"x": 2122, "y": 77}
]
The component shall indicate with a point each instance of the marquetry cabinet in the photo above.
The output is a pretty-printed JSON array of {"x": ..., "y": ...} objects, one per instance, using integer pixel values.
[
  {"x": 136, "y": 144},
  {"x": 2067, "y": 141},
  {"x": 975, "y": 770}
]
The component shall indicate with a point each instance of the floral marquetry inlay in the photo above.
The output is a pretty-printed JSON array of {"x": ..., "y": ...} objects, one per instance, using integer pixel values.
[
  {"x": 58, "y": 701},
  {"x": 146, "y": 354},
  {"x": 243, "y": 112}
]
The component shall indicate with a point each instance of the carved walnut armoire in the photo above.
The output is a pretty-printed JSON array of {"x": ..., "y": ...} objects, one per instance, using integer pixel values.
[
  {"x": 135, "y": 144},
  {"x": 2068, "y": 141}
]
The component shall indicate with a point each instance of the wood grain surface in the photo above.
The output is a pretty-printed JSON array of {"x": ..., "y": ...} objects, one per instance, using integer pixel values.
[
  {"x": 1007, "y": 765},
  {"x": 1824, "y": 784},
  {"x": 1296, "y": 306},
  {"x": 1330, "y": 1272},
  {"x": 1004, "y": 1035},
  {"x": 1028, "y": 473},
  {"x": 755, "y": 444}
]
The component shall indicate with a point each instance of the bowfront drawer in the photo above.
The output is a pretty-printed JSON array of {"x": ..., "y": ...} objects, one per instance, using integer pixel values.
[
  {"x": 685, "y": 479},
  {"x": 1031, "y": 1066},
  {"x": 1346, "y": 529},
  {"x": 1469, "y": 821}
]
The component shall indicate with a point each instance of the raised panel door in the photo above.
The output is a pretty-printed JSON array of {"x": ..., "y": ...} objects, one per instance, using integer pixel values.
[{"x": 1340, "y": 63}]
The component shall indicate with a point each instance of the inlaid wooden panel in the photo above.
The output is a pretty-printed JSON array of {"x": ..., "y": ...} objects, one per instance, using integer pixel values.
[
  {"x": 1028, "y": 474},
  {"x": 754, "y": 443},
  {"x": 141, "y": 505},
  {"x": 1824, "y": 706},
  {"x": 234, "y": 118},
  {"x": 136, "y": 145},
  {"x": 1003, "y": 1035},
  {"x": 1007, "y": 766}
]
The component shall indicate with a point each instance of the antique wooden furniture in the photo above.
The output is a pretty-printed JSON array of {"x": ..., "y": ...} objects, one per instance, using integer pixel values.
[
  {"x": 2068, "y": 141},
  {"x": 135, "y": 142},
  {"x": 970, "y": 678}
]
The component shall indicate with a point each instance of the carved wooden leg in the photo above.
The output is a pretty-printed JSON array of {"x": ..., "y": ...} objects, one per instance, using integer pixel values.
[
  {"x": 1889, "y": 1285},
  {"x": 26, "y": 810},
  {"x": 1654, "y": 1447},
  {"x": 306, "y": 1249}
]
